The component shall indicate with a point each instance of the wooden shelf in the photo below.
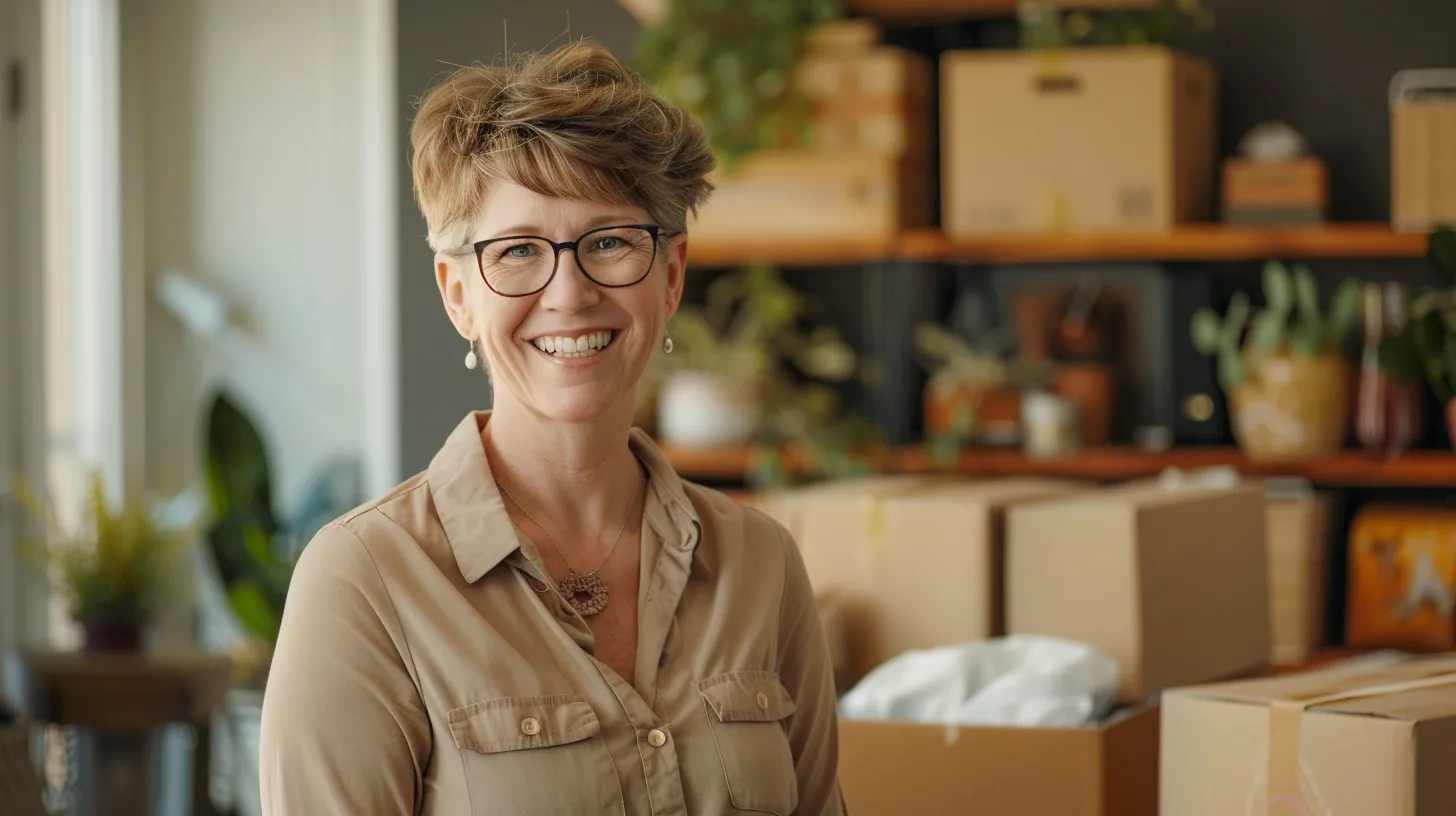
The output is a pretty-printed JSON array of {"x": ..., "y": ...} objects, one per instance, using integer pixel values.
[
  {"x": 1350, "y": 469},
  {"x": 814, "y": 252},
  {"x": 931, "y": 10},
  {"x": 649, "y": 12},
  {"x": 1193, "y": 242}
]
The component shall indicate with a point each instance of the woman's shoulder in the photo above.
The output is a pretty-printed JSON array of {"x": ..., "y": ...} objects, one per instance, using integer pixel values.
[
  {"x": 374, "y": 531},
  {"x": 734, "y": 519}
]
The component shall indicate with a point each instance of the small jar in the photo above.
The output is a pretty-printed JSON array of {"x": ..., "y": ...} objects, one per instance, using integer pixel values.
[{"x": 1051, "y": 426}]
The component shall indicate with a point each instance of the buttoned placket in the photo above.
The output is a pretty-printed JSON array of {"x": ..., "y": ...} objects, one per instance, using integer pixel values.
[{"x": 655, "y": 618}]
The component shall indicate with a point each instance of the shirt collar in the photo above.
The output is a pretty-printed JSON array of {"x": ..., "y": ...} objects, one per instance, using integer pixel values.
[{"x": 473, "y": 513}]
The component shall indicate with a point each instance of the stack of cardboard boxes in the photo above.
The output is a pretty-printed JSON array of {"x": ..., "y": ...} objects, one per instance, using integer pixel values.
[{"x": 1171, "y": 581}]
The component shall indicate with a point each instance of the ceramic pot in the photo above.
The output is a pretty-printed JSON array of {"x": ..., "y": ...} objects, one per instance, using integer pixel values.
[
  {"x": 113, "y": 633},
  {"x": 994, "y": 413},
  {"x": 699, "y": 409},
  {"x": 1292, "y": 407}
]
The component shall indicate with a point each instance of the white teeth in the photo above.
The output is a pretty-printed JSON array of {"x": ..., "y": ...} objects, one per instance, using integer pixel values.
[{"x": 584, "y": 346}]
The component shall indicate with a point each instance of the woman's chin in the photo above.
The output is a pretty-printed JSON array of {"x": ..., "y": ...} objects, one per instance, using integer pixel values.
[{"x": 578, "y": 407}]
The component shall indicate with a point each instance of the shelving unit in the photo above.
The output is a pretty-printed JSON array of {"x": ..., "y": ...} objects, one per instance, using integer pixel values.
[
  {"x": 1191, "y": 242},
  {"x": 1350, "y": 469}
]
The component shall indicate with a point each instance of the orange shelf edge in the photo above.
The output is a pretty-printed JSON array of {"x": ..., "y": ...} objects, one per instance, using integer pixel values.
[
  {"x": 1190, "y": 242},
  {"x": 1348, "y": 469}
]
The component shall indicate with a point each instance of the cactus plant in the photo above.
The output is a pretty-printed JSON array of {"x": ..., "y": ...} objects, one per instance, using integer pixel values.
[{"x": 1290, "y": 322}]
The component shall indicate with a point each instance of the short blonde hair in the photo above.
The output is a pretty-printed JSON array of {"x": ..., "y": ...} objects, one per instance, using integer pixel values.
[{"x": 575, "y": 122}]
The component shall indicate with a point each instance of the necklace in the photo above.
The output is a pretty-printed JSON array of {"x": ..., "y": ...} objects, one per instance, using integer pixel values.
[{"x": 585, "y": 592}]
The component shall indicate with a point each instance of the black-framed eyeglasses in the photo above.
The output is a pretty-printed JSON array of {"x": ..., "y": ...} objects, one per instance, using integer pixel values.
[{"x": 614, "y": 257}]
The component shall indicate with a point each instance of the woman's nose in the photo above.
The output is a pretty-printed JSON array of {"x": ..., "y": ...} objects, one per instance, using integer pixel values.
[{"x": 570, "y": 291}]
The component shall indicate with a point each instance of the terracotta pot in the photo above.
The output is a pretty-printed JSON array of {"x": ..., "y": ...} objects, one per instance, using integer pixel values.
[
  {"x": 113, "y": 634},
  {"x": 1091, "y": 388},
  {"x": 995, "y": 413},
  {"x": 1451, "y": 422},
  {"x": 1292, "y": 407}
]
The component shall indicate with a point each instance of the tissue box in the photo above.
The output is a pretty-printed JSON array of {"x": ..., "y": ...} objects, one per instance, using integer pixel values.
[
  {"x": 898, "y": 768},
  {"x": 914, "y": 562},
  {"x": 1172, "y": 582},
  {"x": 1333, "y": 741}
]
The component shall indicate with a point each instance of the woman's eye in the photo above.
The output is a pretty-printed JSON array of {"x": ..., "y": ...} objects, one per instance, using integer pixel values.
[
  {"x": 520, "y": 251},
  {"x": 608, "y": 243}
]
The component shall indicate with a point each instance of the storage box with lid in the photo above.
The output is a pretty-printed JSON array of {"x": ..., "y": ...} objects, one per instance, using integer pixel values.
[
  {"x": 1423, "y": 149},
  {"x": 1334, "y": 741},
  {"x": 1172, "y": 582},
  {"x": 1076, "y": 140}
]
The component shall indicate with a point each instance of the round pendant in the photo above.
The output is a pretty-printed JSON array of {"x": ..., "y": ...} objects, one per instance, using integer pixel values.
[{"x": 587, "y": 594}]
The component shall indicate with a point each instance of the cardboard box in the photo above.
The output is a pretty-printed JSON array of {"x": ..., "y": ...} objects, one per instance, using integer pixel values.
[
  {"x": 1171, "y": 582},
  {"x": 1086, "y": 139},
  {"x": 1275, "y": 193},
  {"x": 1297, "y": 535},
  {"x": 910, "y": 562},
  {"x": 897, "y": 769},
  {"x": 1402, "y": 579},
  {"x": 866, "y": 173},
  {"x": 1336, "y": 741}
]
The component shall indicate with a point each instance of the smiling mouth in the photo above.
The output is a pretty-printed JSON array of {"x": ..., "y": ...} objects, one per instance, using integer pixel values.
[{"x": 582, "y": 345}]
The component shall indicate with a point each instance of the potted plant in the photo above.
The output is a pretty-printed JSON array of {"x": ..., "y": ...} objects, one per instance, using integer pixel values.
[
  {"x": 969, "y": 386},
  {"x": 732, "y": 65},
  {"x": 728, "y": 356},
  {"x": 1425, "y": 347},
  {"x": 1281, "y": 366},
  {"x": 253, "y": 551},
  {"x": 115, "y": 568}
]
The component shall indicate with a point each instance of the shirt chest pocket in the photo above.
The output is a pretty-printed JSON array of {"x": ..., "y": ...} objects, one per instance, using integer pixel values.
[
  {"x": 535, "y": 756},
  {"x": 746, "y": 713}
]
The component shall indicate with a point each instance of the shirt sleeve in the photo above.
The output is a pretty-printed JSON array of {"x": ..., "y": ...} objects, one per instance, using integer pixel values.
[
  {"x": 344, "y": 730},
  {"x": 807, "y": 672}
]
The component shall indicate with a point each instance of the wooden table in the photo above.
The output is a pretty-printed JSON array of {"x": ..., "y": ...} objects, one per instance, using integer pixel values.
[{"x": 118, "y": 704}]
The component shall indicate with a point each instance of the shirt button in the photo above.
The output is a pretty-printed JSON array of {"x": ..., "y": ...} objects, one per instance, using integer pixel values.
[
  {"x": 763, "y": 701},
  {"x": 530, "y": 726},
  {"x": 656, "y": 738}
]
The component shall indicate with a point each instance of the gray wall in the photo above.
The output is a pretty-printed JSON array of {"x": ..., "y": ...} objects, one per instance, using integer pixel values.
[{"x": 435, "y": 387}]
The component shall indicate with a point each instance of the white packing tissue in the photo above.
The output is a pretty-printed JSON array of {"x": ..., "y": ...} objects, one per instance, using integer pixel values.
[{"x": 1021, "y": 680}]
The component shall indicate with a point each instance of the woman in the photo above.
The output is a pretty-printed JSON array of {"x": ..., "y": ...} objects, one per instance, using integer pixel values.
[{"x": 548, "y": 620}]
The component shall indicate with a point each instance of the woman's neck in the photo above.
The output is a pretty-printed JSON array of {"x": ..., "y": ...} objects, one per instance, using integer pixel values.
[{"x": 577, "y": 479}]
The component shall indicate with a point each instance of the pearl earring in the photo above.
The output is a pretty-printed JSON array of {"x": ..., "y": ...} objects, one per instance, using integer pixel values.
[
  {"x": 667, "y": 344},
  {"x": 471, "y": 361}
]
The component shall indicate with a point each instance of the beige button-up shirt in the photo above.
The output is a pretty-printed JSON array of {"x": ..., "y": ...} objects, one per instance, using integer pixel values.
[{"x": 425, "y": 666}]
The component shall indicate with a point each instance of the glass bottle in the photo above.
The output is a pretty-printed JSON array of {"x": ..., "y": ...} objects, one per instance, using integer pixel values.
[{"x": 1389, "y": 415}]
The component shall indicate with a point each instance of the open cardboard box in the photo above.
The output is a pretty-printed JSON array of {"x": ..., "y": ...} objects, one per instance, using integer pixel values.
[{"x": 1107, "y": 769}]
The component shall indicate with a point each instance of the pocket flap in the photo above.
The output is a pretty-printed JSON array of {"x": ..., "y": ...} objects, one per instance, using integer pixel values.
[
  {"x": 747, "y": 697},
  {"x": 519, "y": 723}
]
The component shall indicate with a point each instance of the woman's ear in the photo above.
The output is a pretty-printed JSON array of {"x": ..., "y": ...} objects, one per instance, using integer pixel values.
[
  {"x": 454, "y": 294},
  {"x": 677, "y": 265}
]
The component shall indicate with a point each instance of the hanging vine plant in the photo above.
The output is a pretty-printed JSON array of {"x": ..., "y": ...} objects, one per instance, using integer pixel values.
[{"x": 731, "y": 63}]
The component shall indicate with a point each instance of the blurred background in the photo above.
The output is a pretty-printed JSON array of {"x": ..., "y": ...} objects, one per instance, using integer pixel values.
[{"x": 1138, "y": 316}]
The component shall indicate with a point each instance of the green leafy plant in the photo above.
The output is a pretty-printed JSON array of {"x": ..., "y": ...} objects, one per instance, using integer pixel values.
[
  {"x": 1425, "y": 347},
  {"x": 255, "y": 551},
  {"x": 117, "y": 564},
  {"x": 753, "y": 330},
  {"x": 955, "y": 364},
  {"x": 731, "y": 63},
  {"x": 1290, "y": 322},
  {"x": 1044, "y": 25}
]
